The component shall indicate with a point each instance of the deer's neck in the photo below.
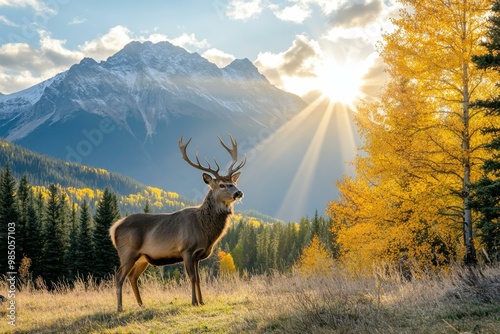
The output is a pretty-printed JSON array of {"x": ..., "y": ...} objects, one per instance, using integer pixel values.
[{"x": 214, "y": 216}]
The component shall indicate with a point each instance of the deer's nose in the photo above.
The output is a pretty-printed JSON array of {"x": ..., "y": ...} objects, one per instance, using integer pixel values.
[{"x": 238, "y": 194}]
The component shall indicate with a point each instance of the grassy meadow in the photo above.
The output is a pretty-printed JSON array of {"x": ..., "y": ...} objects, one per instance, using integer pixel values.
[{"x": 456, "y": 302}]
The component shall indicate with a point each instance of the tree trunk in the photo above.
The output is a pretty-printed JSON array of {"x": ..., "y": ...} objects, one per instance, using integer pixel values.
[{"x": 470, "y": 251}]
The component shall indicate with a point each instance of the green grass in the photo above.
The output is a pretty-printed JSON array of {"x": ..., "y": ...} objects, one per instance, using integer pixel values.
[{"x": 277, "y": 304}]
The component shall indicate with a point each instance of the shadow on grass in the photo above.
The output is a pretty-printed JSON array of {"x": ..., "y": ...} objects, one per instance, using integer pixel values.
[{"x": 102, "y": 321}]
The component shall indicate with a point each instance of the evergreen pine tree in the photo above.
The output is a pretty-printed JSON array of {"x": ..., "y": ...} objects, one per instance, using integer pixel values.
[
  {"x": 106, "y": 257},
  {"x": 316, "y": 225},
  {"x": 487, "y": 189},
  {"x": 263, "y": 260},
  {"x": 53, "y": 251},
  {"x": 21, "y": 230},
  {"x": 305, "y": 233},
  {"x": 8, "y": 221},
  {"x": 40, "y": 210},
  {"x": 248, "y": 241},
  {"x": 84, "y": 248},
  {"x": 147, "y": 207},
  {"x": 71, "y": 259},
  {"x": 34, "y": 242},
  {"x": 238, "y": 255},
  {"x": 64, "y": 219}
]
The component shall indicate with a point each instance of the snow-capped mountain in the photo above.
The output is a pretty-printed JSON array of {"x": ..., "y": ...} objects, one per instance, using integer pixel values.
[
  {"x": 148, "y": 83},
  {"x": 127, "y": 113}
]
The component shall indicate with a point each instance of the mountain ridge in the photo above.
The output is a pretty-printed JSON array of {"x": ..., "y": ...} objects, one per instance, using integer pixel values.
[
  {"x": 127, "y": 113},
  {"x": 158, "y": 80}
]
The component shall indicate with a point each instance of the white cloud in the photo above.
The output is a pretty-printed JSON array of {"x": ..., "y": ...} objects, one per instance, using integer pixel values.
[
  {"x": 189, "y": 40},
  {"x": 357, "y": 14},
  {"x": 326, "y": 6},
  {"x": 296, "y": 13},
  {"x": 308, "y": 66},
  {"x": 7, "y": 22},
  {"x": 155, "y": 38},
  {"x": 293, "y": 68},
  {"x": 344, "y": 11},
  {"x": 108, "y": 44},
  {"x": 19, "y": 56},
  {"x": 36, "y": 5},
  {"x": 14, "y": 82},
  {"x": 55, "y": 52},
  {"x": 23, "y": 65},
  {"x": 372, "y": 22},
  {"x": 218, "y": 57},
  {"x": 49, "y": 57},
  {"x": 374, "y": 78},
  {"x": 243, "y": 10},
  {"x": 117, "y": 37},
  {"x": 77, "y": 20}
]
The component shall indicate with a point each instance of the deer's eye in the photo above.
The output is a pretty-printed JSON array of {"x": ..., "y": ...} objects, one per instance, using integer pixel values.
[{"x": 222, "y": 186}]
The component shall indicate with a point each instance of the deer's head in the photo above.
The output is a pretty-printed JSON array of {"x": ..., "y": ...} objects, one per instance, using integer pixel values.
[{"x": 224, "y": 187}]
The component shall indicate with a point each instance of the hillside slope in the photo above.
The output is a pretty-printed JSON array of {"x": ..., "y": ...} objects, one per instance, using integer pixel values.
[
  {"x": 84, "y": 182},
  {"x": 43, "y": 170}
]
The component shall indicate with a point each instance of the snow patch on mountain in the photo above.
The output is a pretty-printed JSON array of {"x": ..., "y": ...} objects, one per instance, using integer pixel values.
[
  {"x": 28, "y": 127},
  {"x": 13, "y": 104}
]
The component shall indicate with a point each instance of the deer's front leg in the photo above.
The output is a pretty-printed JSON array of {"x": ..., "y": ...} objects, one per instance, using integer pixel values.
[
  {"x": 198, "y": 288},
  {"x": 189, "y": 264}
]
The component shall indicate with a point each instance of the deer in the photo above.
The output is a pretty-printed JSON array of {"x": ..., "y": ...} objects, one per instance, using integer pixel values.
[{"x": 188, "y": 235}]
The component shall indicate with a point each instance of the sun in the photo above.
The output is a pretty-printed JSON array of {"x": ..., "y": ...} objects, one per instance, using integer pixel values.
[
  {"x": 341, "y": 82},
  {"x": 334, "y": 81}
]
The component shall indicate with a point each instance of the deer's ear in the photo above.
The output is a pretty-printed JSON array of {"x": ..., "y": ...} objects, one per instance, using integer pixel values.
[
  {"x": 235, "y": 177},
  {"x": 207, "y": 178}
]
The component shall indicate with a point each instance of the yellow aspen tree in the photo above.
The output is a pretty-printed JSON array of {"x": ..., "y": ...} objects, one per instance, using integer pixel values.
[
  {"x": 315, "y": 259},
  {"x": 433, "y": 47},
  {"x": 421, "y": 139},
  {"x": 226, "y": 264},
  {"x": 384, "y": 212}
]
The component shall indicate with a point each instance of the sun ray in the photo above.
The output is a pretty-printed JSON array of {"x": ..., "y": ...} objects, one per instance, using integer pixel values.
[
  {"x": 301, "y": 183},
  {"x": 268, "y": 151},
  {"x": 345, "y": 125},
  {"x": 310, "y": 150}
]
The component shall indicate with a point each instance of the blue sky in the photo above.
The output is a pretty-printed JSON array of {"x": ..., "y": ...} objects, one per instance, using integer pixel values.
[{"x": 300, "y": 45}]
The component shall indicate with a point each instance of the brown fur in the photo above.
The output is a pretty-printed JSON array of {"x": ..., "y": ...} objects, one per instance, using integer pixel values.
[{"x": 187, "y": 235}]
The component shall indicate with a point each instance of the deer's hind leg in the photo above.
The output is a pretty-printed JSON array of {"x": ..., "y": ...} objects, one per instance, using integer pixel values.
[
  {"x": 127, "y": 262},
  {"x": 133, "y": 277}
]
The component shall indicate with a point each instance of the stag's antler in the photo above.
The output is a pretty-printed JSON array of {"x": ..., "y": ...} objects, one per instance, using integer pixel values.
[
  {"x": 197, "y": 165},
  {"x": 234, "y": 156},
  {"x": 233, "y": 152}
]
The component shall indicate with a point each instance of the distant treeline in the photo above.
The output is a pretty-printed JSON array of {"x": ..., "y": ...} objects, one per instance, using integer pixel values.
[
  {"x": 61, "y": 234},
  {"x": 45, "y": 170}
]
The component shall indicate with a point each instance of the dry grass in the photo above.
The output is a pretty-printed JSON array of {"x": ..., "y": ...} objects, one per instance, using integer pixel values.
[{"x": 455, "y": 303}]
